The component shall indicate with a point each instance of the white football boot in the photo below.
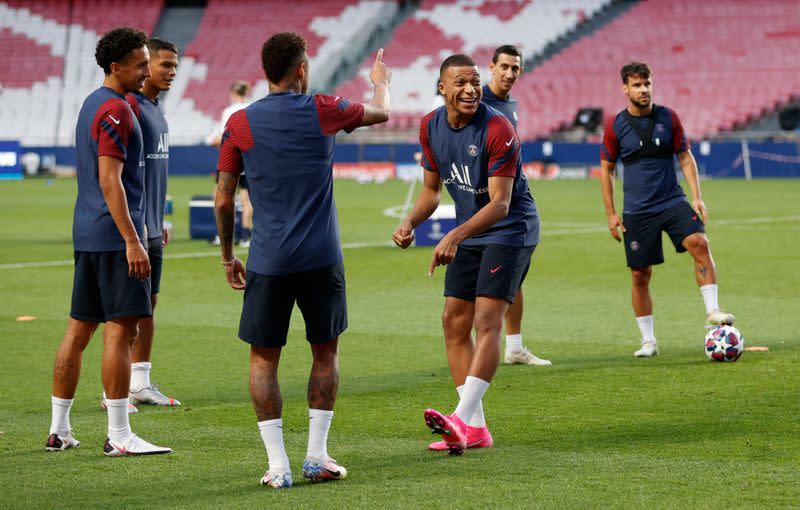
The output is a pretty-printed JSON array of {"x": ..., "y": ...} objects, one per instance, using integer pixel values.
[
  {"x": 56, "y": 443},
  {"x": 525, "y": 357},
  {"x": 648, "y": 349},
  {"x": 277, "y": 480},
  {"x": 132, "y": 445},
  {"x": 719, "y": 317},
  {"x": 150, "y": 395}
]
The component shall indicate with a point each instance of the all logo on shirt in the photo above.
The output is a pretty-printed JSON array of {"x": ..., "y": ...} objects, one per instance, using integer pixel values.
[{"x": 472, "y": 150}]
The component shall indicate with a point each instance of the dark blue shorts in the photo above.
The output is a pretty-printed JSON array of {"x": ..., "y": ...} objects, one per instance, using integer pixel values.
[
  {"x": 642, "y": 234},
  {"x": 155, "y": 250},
  {"x": 102, "y": 289},
  {"x": 269, "y": 300},
  {"x": 490, "y": 270}
]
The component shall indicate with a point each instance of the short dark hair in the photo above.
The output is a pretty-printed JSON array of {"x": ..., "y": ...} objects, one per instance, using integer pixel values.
[
  {"x": 457, "y": 60},
  {"x": 507, "y": 49},
  {"x": 240, "y": 88},
  {"x": 154, "y": 44},
  {"x": 281, "y": 54},
  {"x": 117, "y": 44},
  {"x": 635, "y": 69}
]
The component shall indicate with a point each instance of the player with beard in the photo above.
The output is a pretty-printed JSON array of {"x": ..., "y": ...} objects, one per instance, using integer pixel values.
[
  {"x": 646, "y": 137},
  {"x": 505, "y": 68}
]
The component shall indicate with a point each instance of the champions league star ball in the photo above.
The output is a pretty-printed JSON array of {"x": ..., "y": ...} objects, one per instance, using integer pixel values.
[{"x": 724, "y": 343}]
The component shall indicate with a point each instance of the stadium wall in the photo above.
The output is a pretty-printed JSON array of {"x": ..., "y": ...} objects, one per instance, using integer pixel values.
[{"x": 733, "y": 159}]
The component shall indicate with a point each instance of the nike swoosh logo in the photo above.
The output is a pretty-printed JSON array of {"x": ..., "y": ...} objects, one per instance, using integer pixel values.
[
  {"x": 334, "y": 473},
  {"x": 493, "y": 271},
  {"x": 112, "y": 118},
  {"x": 508, "y": 143}
]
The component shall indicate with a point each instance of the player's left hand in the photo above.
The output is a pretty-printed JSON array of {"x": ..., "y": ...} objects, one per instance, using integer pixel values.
[
  {"x": 165, "y": 236},
  {"x": 444, "y": 253},
  {"x": 236, "y": 274},
  {"x": 700, "y": 208}
]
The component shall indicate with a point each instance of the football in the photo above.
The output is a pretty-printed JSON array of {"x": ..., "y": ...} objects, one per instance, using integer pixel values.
[{"x": 724, "y": 343}]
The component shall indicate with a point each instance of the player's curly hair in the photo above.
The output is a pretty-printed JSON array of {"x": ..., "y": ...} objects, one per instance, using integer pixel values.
[
  {"x": 117, "y": 44},
  {"x": 635, "y": 69},
  {"x": 281, "y": 55}
]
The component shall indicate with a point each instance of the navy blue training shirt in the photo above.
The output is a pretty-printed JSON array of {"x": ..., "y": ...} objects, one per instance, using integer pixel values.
[
  {"x": 284, "y": 142},
  {"x": 465, "y": 158},
  {"x": 507, "y": 107},
  {"x": 106, "y": 127},
  {"x": 156, "y": 159},
  {"x": 650, "y": 183}
]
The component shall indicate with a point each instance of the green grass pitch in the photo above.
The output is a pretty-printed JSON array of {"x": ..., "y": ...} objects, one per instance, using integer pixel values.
[{"x": 597, "y": 429}]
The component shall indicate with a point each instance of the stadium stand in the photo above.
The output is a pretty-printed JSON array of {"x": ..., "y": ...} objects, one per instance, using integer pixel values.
[
  {"x": 717, "y": 63},
  {"x": 228, "y": 46},
  {"x": 57, "y": 41},
  {"x": 475, "y": 27}
]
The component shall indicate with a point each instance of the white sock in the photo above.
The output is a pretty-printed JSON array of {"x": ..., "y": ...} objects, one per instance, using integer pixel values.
[
  {"x": 471, "y": 394},
  {"x": 272, "y": 435},
  {"x": 710, "y": 294},
  {"x": 514, "y": 342},
  {"x": 119, "y": 427},
  {"x": 645, "y": 323},
  {"x": 140, "y": 375},
  {"x": 478, "y": 420},
  {"x": 319, "y": 423},
  {"x": 59, "y": 423}
]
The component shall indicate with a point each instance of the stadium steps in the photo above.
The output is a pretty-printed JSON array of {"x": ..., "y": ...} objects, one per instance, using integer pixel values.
[
  {"x": 607, "y": 14},
  {"x": 179, "y": 24},
  {"x": 380, "y": 38}
]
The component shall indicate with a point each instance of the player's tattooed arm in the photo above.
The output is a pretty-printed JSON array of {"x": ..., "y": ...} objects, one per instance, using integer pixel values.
[{"x": 224, "y": 204}]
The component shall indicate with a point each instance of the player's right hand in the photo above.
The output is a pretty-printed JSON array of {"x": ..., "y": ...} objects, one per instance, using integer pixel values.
[
  {"x": 236, "y": 274},
  {"x": 404, "y": 235},
  {"x": 138, "y": 261},
  {"x": 614, "y": 226},
  {"x": 380, "y": 72}
]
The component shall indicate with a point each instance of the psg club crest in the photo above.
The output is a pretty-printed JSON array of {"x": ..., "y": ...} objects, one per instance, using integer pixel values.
[
  {"x": 472, "y": 150},
  {"x": 634, "y": 246}
]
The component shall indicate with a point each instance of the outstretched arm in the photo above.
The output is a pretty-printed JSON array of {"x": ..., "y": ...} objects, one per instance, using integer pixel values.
[{"x": 377, "y": 110}]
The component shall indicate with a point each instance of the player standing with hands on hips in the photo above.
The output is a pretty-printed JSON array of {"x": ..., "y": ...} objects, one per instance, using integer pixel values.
[{"x": 645, "y": 137}]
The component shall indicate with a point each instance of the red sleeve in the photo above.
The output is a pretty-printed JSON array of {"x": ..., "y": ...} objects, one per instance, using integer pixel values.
[
  {"x": 609, "y": 151},
  {"x": 502, "y": 146},
  {"x": 336, "y": 114},
  {"x": 679, "y": 141},
  {"x": 428, "y": 160},
  {"x": 112, "y": 127},
  {"x": 135, "y": 106},
  {"x": 236, "y": 139}
]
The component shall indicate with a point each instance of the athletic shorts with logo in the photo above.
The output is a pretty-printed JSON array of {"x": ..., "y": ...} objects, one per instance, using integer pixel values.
[
  {"x": 269, "y": 300},
  {"x": 642, "y": 234},
  {"x": 102, "y": 289},
  {"x": 495, "y": 270},
  {"x": 155, "y": 250}
]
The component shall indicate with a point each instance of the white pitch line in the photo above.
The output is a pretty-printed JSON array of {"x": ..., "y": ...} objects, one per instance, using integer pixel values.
[{"x": 354, "y": 246}]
